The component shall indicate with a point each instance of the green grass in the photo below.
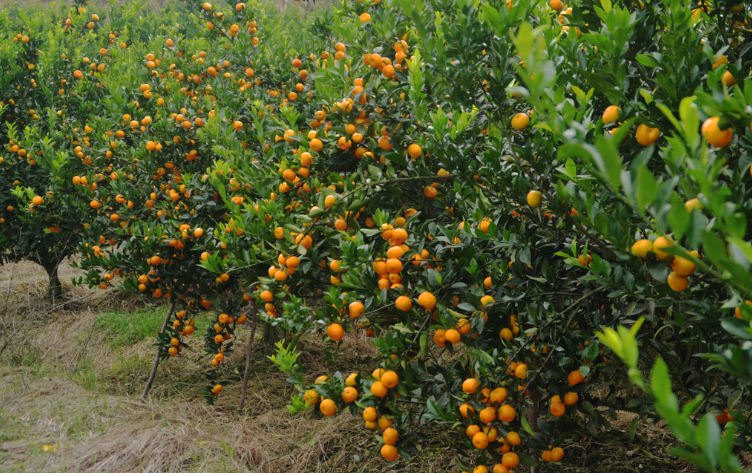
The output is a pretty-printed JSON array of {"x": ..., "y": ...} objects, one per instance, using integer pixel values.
[{"x": 128, "y": 328}]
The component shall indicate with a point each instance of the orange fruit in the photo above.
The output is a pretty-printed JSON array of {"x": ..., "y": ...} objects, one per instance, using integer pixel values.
[
  {"x": 611, "y": 114},
  {"x": 487, "y": 415},
  {"x": 507, "y": 413},
  {"x": 575, "y": 378},
  {"x": 349, "y": 394},
  {"x": 480, "y": 441},
  {"x": 677, "y": 282},
  {"x": 391, "y": 436},
  {"x": 642, "y": 247},
  {"x": 498, "y": 395},
  {"x": 472, "y": 430},
  {"x": 557, "y": 454},
  {"x": 659, "y": 244},
  {"x": 470, "y": 385},
  {"x": 571, "y": 398},
  {"x": 389, "y": 452},
  {"x": 427, "y": 300},
  {"x": 506, "y": 334},
  {"x": 335, "y": 332},
  {"x": 683, "y": 266},
  {"x": 520, "y": 121},
  {"x": 389, "y": 379},
  {"x": 378, "y": 389},
  {"x": 521, "y": 371},
  {"x": 534, "y": 199},
  {"x": 646, "y": 135},
  {"x": 384, "y": 423},
  {"x": 557, "y": 409},
  {"x": 466, "y": 410},
  {"x": 556, "y": 5},
  {"x": 439, "y": 337},
  {"x": 356, "y": 309},
  {"x": 328, "y": 407},
  {"x": 370, "y": 414},
  {"x": 510, "y": 460},
  {"x": 513, "y": 438},
  {"x": 403, "y": 303},
  {"x": 452, "y": 336},
  {"x": 715, "y": 136}
]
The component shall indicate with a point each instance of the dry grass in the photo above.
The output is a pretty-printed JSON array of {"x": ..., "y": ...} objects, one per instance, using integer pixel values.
[{"x": 61, "y": 382}]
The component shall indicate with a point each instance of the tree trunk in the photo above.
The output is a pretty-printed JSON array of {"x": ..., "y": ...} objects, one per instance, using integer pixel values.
[
  {"x": 532, "y": 418},
  {"x": 54, "y": 287},
  {"x": 159, "y": 351},
  {"x": 248, "y": 358},
  {"x": 271, "y": 336}
]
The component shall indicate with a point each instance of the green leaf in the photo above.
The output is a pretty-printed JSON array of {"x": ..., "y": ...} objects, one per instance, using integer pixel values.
[
  {"x": 526, "y": 425},
  {"x": 647, "y": 187},
  {"x": 708, "y": 436}
]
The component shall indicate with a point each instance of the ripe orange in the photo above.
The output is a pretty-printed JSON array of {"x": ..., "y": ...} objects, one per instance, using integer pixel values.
[
  {"x": 427, "y": 300},
  {"x": 506, "y": 334},
  {"x": 571, "y": 398},
  {"x": 470, "y": 385},
  {"x": 715, "y": 136},
  {"x": 642, "y": 247},
  {"x": 498, "y": 395},
  {"x": 510, "y": 460},
  {"x": 452, "y": 336},
  {"x": 683, "y": 266},
  {"x": 513, "y": 438},
  {"x": 349, "y": 394},
  {"x": 575, "y": 378},
  {"x": 534, "y": 199},
  {"x": 659, "y": 244},
  {"x": 557, "y": 454},
  {"x": 480, "y": 441},
  {"x": 384, "y": 422},
  {"x": 391, "y": 436},
  {"x": 403, "y": 303},
  {"x": 393, "y": 266},
  {"x": 335, "y": 332},
  {"x": 389, "y": 452},
  {"x": 472, "y": 430},
  {"x": 646, "y": 135},
  {"x": 439, "y": 337},
  {"x": 356, "y": 309},
  {"x": 378, "y": 389},
  {"x": 557, "y": 409},
  {"x": 414, "y": 150},
  {"x": 556, "y": 5},
  {"x": 611, "y": 114},
  {"x": 328, "y": 407},
  {"x": 677, "y": 282},
  {"x": 430, "y": 192},
  {"x": 507, "y": 413},
  {"x": 487, "y": 415},
  {"x": 520, "y": 121},
  {"x": 267, "y": 296},
  {"x": 370, "y": 414},
  {"x": 466, "y": 410},
  {"x": 389, "y": 379}
]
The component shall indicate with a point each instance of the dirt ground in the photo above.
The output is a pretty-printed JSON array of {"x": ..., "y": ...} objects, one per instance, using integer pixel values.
[{"x": 70, "y": 401}]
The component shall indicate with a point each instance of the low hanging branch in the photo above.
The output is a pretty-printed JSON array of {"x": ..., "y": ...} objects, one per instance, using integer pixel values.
[
  {"x": 248, "y": 356},
  {"x": 159, "y": 351}
]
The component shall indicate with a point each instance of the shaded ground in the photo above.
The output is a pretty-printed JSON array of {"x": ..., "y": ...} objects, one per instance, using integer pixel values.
[{"x": 72, "y": 378}]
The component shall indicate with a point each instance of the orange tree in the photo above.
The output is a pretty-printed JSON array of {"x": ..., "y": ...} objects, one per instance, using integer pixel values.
[
  {"x": 482, "y": 208},
  {"x": 44, "y": 96},
  {"x": 480, "y": 186}
]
